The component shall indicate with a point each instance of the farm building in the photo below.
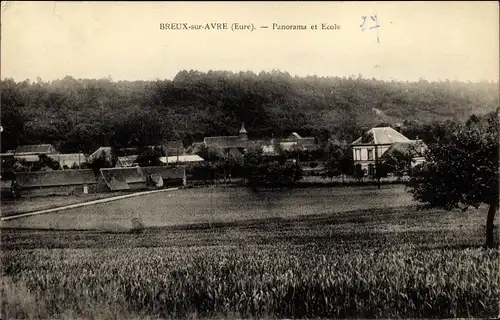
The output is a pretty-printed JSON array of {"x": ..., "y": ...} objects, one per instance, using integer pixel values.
[
  {"x": 234, "y": 146},
  {"x": 101, "y": 152},
  {"x": 119, "y": 179},
  {"x": 163, "y": 176},
  {"x": 174, "y": 148},
  {"x": 56, "y": 182},
  {"x": 374, "y": 143},
  {"x": 127, "y": 162},
  {"x": 182, "y": 160},
  {"x": 6, "y": 183},
  {"x": 69, "y": 160},
  {"x": 35, "y": 149}
]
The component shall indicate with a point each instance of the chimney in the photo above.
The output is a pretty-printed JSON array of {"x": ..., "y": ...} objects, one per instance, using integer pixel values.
[{"x": 243, "y": 132}]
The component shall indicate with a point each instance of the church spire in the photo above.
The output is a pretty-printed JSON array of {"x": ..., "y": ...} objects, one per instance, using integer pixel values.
[{"x": 243, "y": 132}]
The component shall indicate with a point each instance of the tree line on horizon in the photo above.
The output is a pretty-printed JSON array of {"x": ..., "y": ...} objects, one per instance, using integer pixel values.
[{"x": 84, "y": 114}]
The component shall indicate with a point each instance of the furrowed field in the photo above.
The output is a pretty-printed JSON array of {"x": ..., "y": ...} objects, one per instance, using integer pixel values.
[{"x": 364, "y": 263}]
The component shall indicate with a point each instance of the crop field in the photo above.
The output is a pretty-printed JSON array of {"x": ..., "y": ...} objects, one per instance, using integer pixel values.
[{"x": 383, "y": 262}]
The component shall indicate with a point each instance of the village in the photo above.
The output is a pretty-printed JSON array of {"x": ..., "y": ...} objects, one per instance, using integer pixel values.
[
  {"x": 40, "y": 170},
  {"x": 257, "y": 160}
]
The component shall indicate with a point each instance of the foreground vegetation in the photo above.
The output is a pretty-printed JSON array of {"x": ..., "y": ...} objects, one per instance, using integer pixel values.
[{"x": 383, "y": 263}]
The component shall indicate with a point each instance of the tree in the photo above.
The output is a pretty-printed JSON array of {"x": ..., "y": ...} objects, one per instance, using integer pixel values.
[
  {"x": 150, "y": 156},
  {"x": 45, "y": 163},
  {"x": 104, "y": 161},
  {"x": 461, "y": 171},
  {"x": 259, "y": 170},
  {"x": 332, "y": 163},
  {"x": 397, "y": 162},
  {"x": 359, "y": 172}
]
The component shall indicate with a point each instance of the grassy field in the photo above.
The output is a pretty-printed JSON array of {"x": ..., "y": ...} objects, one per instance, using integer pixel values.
[
  {"x": 326, "y": 259},
  {"x": 15, "y": 206},
  {"x": 216, "y": 204}
]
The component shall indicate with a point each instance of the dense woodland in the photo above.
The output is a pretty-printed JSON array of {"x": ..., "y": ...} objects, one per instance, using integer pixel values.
[{"x": 83, "y": 114}]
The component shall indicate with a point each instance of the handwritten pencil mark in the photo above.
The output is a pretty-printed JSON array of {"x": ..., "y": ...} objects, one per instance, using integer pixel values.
[{"x": 375, "y": 26}]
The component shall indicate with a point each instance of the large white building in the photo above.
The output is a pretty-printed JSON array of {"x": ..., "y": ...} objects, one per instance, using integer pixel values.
[{"x": 370, "y": 147}]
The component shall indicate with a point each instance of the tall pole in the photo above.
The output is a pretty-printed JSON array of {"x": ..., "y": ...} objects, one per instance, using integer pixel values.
[
  {"x": 166, "y": 153},
  {"x": 177, "y": 154},
  {"x": 376, "y": 167}
]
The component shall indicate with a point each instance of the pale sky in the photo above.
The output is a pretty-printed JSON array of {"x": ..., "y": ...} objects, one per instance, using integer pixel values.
[{"x": 430, "y": 40}]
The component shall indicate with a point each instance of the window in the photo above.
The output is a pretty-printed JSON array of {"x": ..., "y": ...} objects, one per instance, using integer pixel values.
[
  {"x": 358, "y": 154},
  {"x": 370, "y": 154}
]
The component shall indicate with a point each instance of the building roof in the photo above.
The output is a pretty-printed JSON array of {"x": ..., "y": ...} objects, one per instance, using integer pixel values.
[
  {"x": 164, "y": 172},
  {"x": 185, "y": 158},
  {"x": 99, "y": 152},
  {"x": 175, "y": 144},
  {"x": 55, "y": 178},
  {"x": 416, "y": 146},
  {"x": 242, "y": 129},
  {"x": 28, "y": 158},
  {"x": 120, "y": 178},
  {"x": 7, "y": 154},
  {"x": 295, "y": 135},
  {"x": 35, "y": 149},
  {"x": 128, "y": 161},
  {"x": 382, "y": 135},
  {"x": 225, "y": 142}
]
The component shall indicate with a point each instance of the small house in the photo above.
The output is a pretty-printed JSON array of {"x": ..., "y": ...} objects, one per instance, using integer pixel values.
[
  {"x": 56, "y": 182},
  {"x": 121, "y": 179},
  {"x": 182, "y": 160},
  {"x": 35, "y": 149},
  {"x": 164, "y": 176},
  {"x": 101, "y": 152},
  {"x": 127, "y": 161},
  {"x": 374, "y": 143}
]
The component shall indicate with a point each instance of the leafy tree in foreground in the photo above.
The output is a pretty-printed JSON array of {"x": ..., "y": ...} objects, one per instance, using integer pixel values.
[{"x": 462, "y": 171}]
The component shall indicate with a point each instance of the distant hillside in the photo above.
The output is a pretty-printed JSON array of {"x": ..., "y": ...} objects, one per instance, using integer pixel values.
[{"x": 82, "y": 114}]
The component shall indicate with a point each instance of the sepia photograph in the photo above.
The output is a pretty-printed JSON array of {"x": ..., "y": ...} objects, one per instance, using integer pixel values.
[{"x": 249, "y": 160}]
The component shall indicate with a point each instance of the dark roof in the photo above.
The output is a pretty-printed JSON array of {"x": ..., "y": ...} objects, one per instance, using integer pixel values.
[
  {"x": 35, "y": 149},
  {"x": 119, "y": 178},
  {"x": 175, "y": 144},
  {"x": 164, "y": 172},
  {"x": 225, "y": 142},
  {"x": 55, "y": 178}
]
